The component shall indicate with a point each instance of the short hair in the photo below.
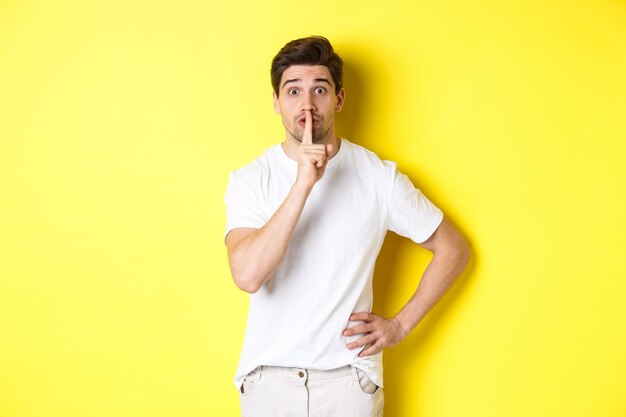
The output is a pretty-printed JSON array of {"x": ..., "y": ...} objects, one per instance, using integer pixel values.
[{"x": 314, "y": 50}]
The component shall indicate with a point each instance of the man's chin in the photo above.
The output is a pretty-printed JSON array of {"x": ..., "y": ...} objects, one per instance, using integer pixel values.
[{"x": 316, "y": 139}]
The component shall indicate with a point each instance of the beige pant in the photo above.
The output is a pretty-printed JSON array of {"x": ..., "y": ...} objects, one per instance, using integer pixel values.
[{"x": 272, "y": 391}]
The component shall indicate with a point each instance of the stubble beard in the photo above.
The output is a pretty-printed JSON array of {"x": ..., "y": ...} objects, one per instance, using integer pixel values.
[{"x": 318, "y": 133}]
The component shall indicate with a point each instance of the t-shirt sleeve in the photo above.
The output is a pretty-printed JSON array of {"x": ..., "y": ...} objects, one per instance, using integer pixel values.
[
  {"x": 410, "y": 213},
  {"x": 243, "y": 204}
]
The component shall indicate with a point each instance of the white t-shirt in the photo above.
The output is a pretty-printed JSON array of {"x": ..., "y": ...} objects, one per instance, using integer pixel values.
[{"x": 297, "y": 317}]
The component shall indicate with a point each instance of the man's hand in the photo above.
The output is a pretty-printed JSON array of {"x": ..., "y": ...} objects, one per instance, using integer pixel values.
[
  {"x": 378, "y": 332},
  {"x": 312, "y": 158}
]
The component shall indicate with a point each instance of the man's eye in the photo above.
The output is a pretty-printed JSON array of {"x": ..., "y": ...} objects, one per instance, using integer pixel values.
[
  {"x": 320, "y": 90},
  {"x": 292, "y": 92}
]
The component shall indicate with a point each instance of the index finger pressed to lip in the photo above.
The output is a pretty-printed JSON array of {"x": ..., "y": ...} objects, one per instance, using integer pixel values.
[{"x": 307, "y": 137}]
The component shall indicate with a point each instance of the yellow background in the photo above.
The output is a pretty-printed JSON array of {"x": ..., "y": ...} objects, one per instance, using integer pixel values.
[{"x": 119, "y": 123}]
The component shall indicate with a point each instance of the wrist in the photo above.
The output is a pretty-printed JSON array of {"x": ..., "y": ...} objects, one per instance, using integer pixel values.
[
  {"x": 302, "y": 187},
  {"x": 404, "y": 326}
]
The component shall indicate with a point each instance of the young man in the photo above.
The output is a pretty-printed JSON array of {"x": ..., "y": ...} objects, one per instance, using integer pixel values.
[{"x": 305, "y": 223}]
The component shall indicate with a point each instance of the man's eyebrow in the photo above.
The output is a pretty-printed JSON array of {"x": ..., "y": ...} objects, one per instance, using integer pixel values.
[
  {"x": 319, "y": 80},
  {"x": 323, "y": 80}
]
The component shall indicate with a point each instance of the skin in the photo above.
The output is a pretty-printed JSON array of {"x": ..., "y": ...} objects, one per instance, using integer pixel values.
[
  {"x": 308, "y": 92},
  {"x": 307, "y": 105}
]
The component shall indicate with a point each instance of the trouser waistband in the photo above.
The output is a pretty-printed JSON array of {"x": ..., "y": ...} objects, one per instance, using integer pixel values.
[{"x": 303, "y": 373}]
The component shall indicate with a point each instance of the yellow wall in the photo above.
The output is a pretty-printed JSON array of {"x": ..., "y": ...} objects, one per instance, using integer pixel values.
[{"x": 119, "y": 123}]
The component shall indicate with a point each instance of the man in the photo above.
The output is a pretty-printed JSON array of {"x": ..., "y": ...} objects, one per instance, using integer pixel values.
[{"x": 305, "y": 223}]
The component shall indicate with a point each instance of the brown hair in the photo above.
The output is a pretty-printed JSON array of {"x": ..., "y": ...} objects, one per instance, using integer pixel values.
[{"x": 314, "y": 50}]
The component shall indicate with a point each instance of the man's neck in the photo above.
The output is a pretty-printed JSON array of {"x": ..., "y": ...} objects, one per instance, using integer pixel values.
[{"x": 291, "y": 146}]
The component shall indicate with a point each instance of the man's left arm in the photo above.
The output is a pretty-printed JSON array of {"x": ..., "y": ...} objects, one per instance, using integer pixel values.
[{"x": 450, "y": 256}]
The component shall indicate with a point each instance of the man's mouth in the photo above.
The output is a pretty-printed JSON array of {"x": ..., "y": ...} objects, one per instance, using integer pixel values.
[{"x": 302, "y": 122}]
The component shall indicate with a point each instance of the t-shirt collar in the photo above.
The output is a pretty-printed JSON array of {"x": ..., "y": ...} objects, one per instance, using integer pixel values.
[{"x": 284, "y": 157}]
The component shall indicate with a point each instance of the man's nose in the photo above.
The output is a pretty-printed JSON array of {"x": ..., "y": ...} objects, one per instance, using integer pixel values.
[{"x": 307, "y": 103}]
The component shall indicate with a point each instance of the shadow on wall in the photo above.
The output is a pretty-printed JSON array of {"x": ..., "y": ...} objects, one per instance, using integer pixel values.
[
  {"x": 401, "y": 362},
  {"x": 350, "y": 122}
]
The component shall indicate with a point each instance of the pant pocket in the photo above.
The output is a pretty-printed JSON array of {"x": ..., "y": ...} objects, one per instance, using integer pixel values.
[
  {"x": 250, "y": 382},
  {"x": 366, "y": 384}
]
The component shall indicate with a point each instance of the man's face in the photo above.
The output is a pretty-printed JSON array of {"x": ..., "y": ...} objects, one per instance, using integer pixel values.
[{"x": 308, "y": 87}]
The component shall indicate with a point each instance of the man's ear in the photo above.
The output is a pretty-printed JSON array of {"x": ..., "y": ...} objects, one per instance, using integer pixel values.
[
  {"x": 341, "y": 96},
  {"x": 276, "y": 106}
]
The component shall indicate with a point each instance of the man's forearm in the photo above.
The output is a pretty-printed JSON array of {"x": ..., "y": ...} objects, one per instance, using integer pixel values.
[
  {"x": 438, "y": 277},
  {"x": 256, "y": 257},
  {"x": 451, "y": 253}
]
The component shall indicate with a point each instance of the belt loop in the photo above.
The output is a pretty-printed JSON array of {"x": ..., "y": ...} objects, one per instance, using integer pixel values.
[
  {"x": 260, "y": 372},
  {"x": 355, "y": 374}
]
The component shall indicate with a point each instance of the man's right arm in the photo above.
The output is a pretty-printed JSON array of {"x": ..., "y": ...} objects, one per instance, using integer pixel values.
[{"x": 255, "y": 254}]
